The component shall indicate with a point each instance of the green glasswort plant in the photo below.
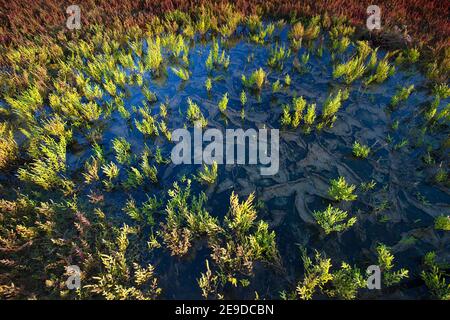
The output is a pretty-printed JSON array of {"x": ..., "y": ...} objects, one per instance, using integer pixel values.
[
  {"x": 286, "y": 116},
  {"x": 9, "y": 150},
  {"x": 317, "y": 274},
  {"x": 299, "y": 106},
  {"x": 216, "y": 59},
  {"x": 382, "y": 72},
  {"x": 442, "y": 223},
  {"x": 243, "y": 98},
  {"x": 182, "y": 73},
  {"x": 223, "y": 103},
  {"x": 332, "y": 105},
  {"x": 434, "y": 278},
  {"x": 333, "y": 219},
  {"x": 207, "y": 175},
  {"x": 208, "y": 84},
  {"x": 256, "y": 80},
  {"x": 287, "y": 80},
  {"x": 346, "y": 282},
  {"x": 186, "y": 218},
  {"x": 122, "y": 149},
  {"x": 111, "y": 171},
  {"x": 277, "y": 56},
  {"x": 360, "y": 150},
  {"x": 340, "y": 190},
  {"x": 49, "y": 165},
  {"x": 117, "y": 280},
  {"x": 401, "y": 95},
  {"x": 147, "y": 125},
  {"x": 194, "y": 113},
  {"x": 310, "y": 117},
  {"x": 276, "y": 86},
  {"x": 385, "y": 261}
]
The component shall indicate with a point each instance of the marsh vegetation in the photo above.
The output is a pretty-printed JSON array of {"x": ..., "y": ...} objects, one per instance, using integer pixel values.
[{"x": 86, "y": 177}]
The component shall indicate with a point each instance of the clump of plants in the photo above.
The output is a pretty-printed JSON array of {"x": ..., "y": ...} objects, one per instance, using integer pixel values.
[
  {"x": 9, "y": 150},
  {"x": 442, "y": 223},
  {"x": 360, "y": 150},
  {"x": 333, "y": 219},
  {"x": 277, "y": 56},
  {"x": 182, "y": 73},
  {"x": 435, "y": 278},
  {"x": 194, "y": 114},
  {"x": 296, "y": 35},
  {"x": 341, "y": 190},
  {"x": 208, "y": 174},
  {"x": 401, "y": 95},
  {"x": 118, "y": 280},
  {"x": 223, "y": 103},
  {"x": 343, "y": 283},
  {"x": 331, "y": 107},
  {"x": 216, "y": 59},
  {"x": 185, "y": 219},
  {"x": 386, "y": 264},
  {"x": 256, "y": 79}
]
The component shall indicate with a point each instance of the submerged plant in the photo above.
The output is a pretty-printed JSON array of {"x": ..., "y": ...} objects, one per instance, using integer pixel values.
[
  {"x": 340, "y": 190},
  {"x": 333, "y": 219}
]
